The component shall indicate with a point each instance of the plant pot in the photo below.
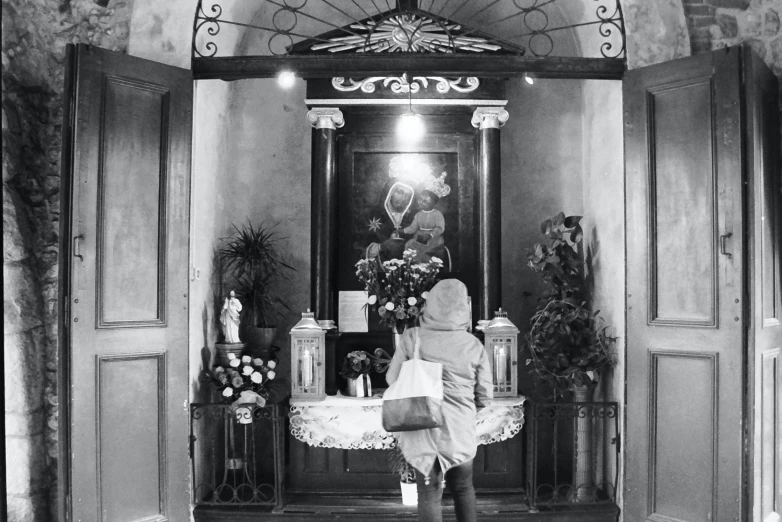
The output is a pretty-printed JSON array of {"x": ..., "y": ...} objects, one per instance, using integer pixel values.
[
  {"x": 223, "y": 349},
  {"x": 409, "y": 494},
  {"x": 259, "y": 341},
  {"x": 584, "y": 489},
  {"x": 361, "y": 386},
  {"x": 243, "y": 406}
]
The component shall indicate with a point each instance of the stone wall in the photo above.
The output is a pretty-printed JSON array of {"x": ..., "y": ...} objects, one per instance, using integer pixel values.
[
  {"x": 33, "y": 52},
  {"x": 719, "y": 23}
]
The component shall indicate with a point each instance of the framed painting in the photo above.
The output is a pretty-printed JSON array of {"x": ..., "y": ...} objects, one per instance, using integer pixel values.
[{"x": 393, "y": 198}]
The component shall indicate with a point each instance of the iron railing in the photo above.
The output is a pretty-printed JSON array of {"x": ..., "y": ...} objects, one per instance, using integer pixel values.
[
  {"x": 237, "y": 456},
  {"x": 573, "y": 453}
]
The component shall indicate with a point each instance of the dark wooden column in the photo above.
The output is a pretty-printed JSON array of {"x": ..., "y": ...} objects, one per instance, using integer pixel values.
[
  {"x": 488, "y": 120},
  {"x": 323, "y": 254}
]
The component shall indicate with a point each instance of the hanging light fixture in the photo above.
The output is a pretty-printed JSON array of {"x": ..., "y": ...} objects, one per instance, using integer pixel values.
[{"x": 411, "y": 125}]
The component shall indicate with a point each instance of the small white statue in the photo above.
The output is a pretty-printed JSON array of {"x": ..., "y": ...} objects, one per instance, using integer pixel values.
[{"x": 229, "y": 318}]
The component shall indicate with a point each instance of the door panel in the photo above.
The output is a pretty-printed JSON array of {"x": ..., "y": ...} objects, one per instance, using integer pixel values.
[
  {"x": 765, "y": 241},
  {"x": 684, "y": 298},
  {"x": 127, "y": 351}
]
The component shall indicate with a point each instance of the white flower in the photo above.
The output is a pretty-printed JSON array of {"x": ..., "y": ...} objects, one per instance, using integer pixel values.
[
  {"x": 424, "y": 295},
  {"x": 372, "y": 299},
  {"x": 411, "y": 301},
  {"x": 390, "y": 305},
  {"x": 256, "y": 377},
  {"x": 231, "y": 357},
  {"x": 258, "y": 361},
  {"x": 437, "y": 260},
  {"x": 271, "y": 364},
  {"x": 270, "y": 375},
  {"x": 235, "y": 362},
  {"x": 246, "y": 359},
  {"x": 247, "y": 370},
  {"x": 228, "y": 391}
]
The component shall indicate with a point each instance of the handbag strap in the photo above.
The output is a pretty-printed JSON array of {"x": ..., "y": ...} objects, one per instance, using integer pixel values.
[{"x": 417, "y": 345}]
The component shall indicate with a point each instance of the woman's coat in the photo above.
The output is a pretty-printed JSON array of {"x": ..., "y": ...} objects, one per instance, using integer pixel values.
[{"x": 467, "y": 381}]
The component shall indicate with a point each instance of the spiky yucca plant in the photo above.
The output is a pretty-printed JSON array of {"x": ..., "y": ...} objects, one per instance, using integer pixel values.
[{"x": 253, "y": 262}]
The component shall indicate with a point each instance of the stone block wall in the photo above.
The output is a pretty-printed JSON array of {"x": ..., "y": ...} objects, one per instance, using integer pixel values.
[
  {"x": 34, "y": 36},
  {"x": 714, "y": 24}
]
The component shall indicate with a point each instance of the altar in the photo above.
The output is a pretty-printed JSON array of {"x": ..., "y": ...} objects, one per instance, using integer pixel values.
[{"x": 355, "y": 423}]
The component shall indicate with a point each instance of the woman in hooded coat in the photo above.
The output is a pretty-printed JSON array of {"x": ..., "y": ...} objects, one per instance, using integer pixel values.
[{"x": 467, "y": 385}]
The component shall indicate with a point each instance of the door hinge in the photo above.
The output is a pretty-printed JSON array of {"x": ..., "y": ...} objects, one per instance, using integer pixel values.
[{"x": 618, "y": 441}]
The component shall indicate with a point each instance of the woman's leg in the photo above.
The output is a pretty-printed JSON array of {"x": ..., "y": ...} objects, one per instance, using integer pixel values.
[
  {"x": 430, "y": 496},
  {"x": 458, "y": 480}
]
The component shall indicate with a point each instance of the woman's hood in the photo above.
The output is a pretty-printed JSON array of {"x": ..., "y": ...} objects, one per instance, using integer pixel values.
[{"x": 447, "y": 307}]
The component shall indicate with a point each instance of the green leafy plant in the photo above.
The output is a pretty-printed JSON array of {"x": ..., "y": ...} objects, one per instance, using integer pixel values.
[
  {"x": 567, "y": 341},
  {"x": 400, "y": 466},
  {"x": 252, "y": 259}
]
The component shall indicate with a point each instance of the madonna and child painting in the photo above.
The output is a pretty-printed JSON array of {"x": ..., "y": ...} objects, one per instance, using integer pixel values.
[{"x": 412, "y": 207}]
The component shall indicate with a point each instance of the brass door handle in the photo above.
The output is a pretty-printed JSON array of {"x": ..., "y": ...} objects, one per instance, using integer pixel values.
[
  {"x": 76, "y": 250},
  {"x": 723, "y": 249}
]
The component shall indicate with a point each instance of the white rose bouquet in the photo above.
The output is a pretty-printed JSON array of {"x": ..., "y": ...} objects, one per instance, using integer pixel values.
[
  {"x": 397, "y": 288},
  {"x": 248, "y": 380}
]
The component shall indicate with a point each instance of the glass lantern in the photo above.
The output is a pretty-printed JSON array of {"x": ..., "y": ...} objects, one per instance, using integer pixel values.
[
  {"x": 501, "y": 342},
  {"x": 308, "y": 368}
]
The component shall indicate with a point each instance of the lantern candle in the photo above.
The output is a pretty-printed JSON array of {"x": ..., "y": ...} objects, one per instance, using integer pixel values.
[
  {"x": 306, "y": 368},
  {"x": 500, "y": 364}
]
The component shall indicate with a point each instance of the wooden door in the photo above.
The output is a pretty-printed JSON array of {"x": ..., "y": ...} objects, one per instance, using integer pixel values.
[
  {"x": 127, "y": 160},
  {"x": 765, "y": 265},
  {"x": 685, "y": 290}
]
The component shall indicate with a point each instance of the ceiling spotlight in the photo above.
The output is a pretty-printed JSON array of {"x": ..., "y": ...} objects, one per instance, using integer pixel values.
[
  {"x": 286, "y": 79},
  {"x": 528, "y": 79},
  {"x": 411, "y": 125}
]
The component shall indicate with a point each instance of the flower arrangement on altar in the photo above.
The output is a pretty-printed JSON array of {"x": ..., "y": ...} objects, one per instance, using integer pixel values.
[
  {"x": 356, "y": 363},
  {"x": 397, "y": 288},
  {"x": 248, "y": 381}
]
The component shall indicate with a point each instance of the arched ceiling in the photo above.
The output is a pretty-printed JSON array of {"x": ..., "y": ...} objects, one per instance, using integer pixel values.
[{"x": 533, "y": 28}]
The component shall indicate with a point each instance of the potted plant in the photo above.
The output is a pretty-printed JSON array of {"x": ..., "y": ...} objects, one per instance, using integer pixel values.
[
  {"x": 567, "y": 341},
  {"x": 355, "y": 369},
  {"x": 253, "y": 263},
  {"x": 406, "y": 473}
]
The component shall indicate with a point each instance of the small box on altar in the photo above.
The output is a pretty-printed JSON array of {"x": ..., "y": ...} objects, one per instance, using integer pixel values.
[
  {"x": 308, "y": 366},
  {"x": 501, "y": 342}
]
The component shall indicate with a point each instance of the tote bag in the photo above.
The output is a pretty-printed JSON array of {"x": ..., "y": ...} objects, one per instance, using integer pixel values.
[{"x": 413, "y": 402}]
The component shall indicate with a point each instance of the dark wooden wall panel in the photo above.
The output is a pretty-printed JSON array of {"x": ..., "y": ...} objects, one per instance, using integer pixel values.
[
  {"x": 131, "y": 436},
  {"x": 682, "y": 205},
  {"x": 365, "y": 461},
  {"x": 770, "y": 437},
  {"x": 682, "y": 439},
  {"x": 131, "y": 212},
  {"x": 316, "y": 460}
]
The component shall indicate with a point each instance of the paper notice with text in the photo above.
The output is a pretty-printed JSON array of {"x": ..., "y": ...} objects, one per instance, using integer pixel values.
[{"x": 352, "y": 311}]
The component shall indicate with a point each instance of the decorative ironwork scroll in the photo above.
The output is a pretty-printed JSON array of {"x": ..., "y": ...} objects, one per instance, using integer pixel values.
[{"x": 520, "y": 27}]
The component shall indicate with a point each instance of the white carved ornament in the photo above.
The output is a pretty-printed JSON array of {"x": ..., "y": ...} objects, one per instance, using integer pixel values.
[{"x": 400, "y": 84}]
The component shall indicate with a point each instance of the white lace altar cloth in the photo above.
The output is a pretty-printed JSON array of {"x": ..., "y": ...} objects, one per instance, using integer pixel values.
[{"x": 355, "y": 423}]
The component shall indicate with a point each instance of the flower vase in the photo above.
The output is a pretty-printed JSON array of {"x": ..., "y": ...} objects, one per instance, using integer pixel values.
[
  {"x": 361, "y": 386},
  {"x": 409, "y": 493},
  {"x": 243, "y": 406}
]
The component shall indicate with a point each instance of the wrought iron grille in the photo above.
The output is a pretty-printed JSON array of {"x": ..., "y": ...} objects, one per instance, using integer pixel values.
[
  {"x": 522, "y": 27},
  {"x": 573, "y": 453},
  {"x": 237, "y": 457}
]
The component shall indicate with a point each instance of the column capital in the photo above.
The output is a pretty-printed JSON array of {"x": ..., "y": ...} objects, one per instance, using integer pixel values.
[
  {"x": 489, "y": 117},
  {"x": 325, "y": 118}
]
